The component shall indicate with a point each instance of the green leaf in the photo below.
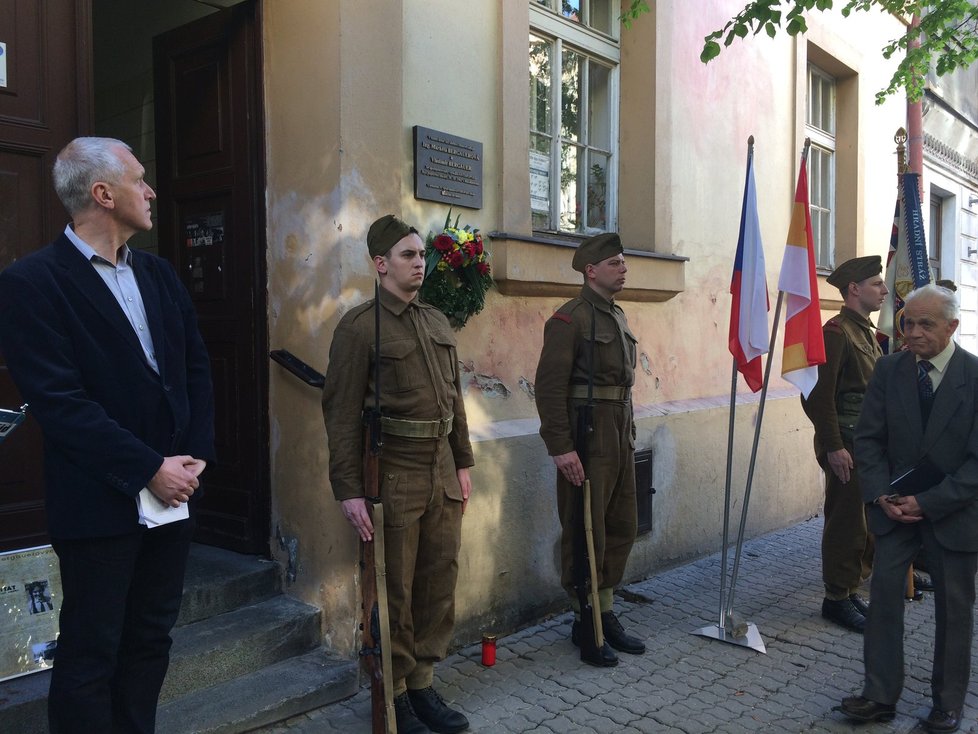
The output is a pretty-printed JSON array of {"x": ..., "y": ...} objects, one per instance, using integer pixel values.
[
  {"x": 771, "y": 29},
  {"x": 711, "y": 49}
]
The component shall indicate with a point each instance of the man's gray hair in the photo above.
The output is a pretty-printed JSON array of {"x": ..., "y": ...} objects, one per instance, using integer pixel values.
[
  {"x": 82, "y": 163},
  {"x": 946, "y": 297}
]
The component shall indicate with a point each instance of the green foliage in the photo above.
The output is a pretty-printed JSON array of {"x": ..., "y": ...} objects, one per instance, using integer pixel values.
[
  {"x": 945, "y": 39},
  {"x": 637, "y": 8},
  {"x": 457, "y": 272}
]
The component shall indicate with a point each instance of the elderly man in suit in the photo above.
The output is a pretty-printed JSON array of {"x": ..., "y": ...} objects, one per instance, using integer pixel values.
[
  {"x": 102, "y": 341},
  {"x": 917, "y": 452}
]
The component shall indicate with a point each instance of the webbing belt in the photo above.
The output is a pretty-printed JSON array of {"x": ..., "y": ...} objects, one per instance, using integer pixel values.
[
  {"x": 601, "y": 392},
  {"x": 416, "y": 429}
]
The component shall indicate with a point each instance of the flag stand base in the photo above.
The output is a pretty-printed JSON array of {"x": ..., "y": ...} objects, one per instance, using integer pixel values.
[{"x": 752, "y": 639}]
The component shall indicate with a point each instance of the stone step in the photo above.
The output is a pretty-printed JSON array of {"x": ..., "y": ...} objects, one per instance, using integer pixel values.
[
  {"x": 269, "y": 695},
  {"x": 218, "y": 581},
  {"x": 239, "y": 642}
]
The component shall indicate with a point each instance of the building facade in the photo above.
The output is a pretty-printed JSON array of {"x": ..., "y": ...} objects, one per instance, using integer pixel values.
[{"x": 277, "y": 131}]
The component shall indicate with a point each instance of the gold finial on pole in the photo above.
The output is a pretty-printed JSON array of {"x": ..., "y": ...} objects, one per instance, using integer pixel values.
[{"x": 901, "y": 139}]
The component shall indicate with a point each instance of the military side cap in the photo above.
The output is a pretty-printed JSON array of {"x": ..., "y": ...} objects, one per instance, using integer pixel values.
[
  {"x": 856, "y": 270},
  {"x": 385, "y": 233},
  {"x": 595, "y": 249}
]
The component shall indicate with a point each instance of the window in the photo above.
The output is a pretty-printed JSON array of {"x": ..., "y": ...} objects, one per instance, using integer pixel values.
[
  {"x": 573, "y": 63},
  {"x": 934, "y": 236},
  {"x": 820, "y": 126}
]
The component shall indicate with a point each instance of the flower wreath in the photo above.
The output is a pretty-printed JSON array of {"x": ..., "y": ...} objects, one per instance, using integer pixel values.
[{"x": 457, "y": 272}]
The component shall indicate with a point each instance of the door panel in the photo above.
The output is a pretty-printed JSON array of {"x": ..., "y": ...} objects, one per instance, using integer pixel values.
[
  {"x": 44, "y": 105},
  {"x": 211, "y": 184}
]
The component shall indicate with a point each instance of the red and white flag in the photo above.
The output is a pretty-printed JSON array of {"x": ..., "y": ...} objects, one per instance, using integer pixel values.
[{"x": 804, "y": 348}]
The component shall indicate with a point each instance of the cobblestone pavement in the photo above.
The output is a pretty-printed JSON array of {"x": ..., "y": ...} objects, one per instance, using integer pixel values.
[{"x": 685, "y": 682}]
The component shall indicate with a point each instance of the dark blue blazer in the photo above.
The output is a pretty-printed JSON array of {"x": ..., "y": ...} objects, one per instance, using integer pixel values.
[
  {"x": 107, "y": 418},
  {"x": 890, "y": 439}
]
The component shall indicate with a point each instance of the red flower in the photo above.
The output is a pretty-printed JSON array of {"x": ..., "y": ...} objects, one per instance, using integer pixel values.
[
  {"x": 443, "y": 243},
  {"x": 483, "y": 268},
  {"x": 454, "y": 258},
  {"x": 477, "y": 244}
]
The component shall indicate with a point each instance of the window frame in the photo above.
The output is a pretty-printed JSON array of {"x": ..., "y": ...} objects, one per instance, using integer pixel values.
[
  {"x": 596, "y": 47},
  {"x": 825, "y": 142}
]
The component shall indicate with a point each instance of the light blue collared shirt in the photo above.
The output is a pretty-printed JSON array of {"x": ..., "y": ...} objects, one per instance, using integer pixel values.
[{"x": 121, "y": 280}]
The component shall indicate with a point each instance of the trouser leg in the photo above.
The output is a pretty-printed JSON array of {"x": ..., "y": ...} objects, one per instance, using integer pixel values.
[
  {"x": 953, "y": 575},
  {"x": 846, "y": 544},
  {"x": 883, "y": 637}
]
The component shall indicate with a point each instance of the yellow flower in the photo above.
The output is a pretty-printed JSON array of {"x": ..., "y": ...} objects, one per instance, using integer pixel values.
[{"x": 442, "y": 266}]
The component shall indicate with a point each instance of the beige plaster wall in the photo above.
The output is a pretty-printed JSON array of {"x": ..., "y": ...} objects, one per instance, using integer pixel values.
[{"x": 340, "y": 107}]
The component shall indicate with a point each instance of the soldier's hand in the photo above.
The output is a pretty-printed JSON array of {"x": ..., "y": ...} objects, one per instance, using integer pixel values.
[
  {"x": 570, "y": 466},
  {"x": 355, "y": 511},
  {"x": 465, "y": 482},
  {"x": 840, "y": 462}
]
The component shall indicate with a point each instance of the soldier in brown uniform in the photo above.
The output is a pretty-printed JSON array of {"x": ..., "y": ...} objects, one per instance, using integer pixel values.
[
  {"x": 851, "y": 351},
  {"x": 561, "y": 386},
  {"x": 424, "y": 466}
]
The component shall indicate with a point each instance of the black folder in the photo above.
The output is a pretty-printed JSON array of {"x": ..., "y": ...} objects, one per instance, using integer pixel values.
[{"x": 919, "y": 478}]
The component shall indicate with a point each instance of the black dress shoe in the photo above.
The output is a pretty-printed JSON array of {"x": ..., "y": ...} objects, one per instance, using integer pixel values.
[
  {"x": 406, "y": 718},
  {"x": 616, "y": 636},
  {"x": 858, "y": 708},
  {"x": 431, "y": 709},
  {"x": 843, "y": 612},
  {"x": 861, "y": 605},
  {"x": 603, "y": 657},
  {"x": 922, "y": 583},
  {"x": 941, "y": 721}
]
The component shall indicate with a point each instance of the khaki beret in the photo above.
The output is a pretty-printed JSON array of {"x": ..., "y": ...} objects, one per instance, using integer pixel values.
[
  {"x": 595, "y": 249},
  {"x": 385, "y": 233},
  {"x": 856, "y": 270}
]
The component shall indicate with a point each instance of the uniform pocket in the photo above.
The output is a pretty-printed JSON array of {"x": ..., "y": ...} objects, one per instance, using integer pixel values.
[
  {"x": 445, "y": 355},
  {"x": 399, "y": 366}
]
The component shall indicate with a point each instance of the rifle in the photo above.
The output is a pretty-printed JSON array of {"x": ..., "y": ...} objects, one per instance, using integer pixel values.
[
  {"x": 584, "y": 571},
  {"x": 376, "y": 650}
]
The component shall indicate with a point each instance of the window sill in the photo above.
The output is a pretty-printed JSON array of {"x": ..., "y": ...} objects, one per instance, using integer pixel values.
[{"x": 541, "y": 266}]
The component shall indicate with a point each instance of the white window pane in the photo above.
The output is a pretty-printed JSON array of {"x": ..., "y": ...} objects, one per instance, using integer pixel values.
[
  {"x": 541, "y": 53},
  {"x": 570, "y": 199},
  {"x": 597, "y": 191},
  {"x": 599, "y": 106},
  {"x": 571, "y": 9},
  {"x": 600, "y": 13},
  {"x": 570, "y": 95}
]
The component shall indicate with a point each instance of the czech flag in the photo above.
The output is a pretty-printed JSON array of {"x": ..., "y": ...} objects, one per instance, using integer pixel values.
[{"x": 748, "y": 338}]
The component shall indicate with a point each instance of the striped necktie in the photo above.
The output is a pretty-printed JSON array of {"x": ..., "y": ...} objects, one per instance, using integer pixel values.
[{"x": 925, "y": 387}]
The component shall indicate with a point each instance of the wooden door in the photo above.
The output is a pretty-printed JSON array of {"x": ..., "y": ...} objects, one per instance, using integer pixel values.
[
  {"x": 45, "y": 89},
  {"x": 211, "y": 203}
]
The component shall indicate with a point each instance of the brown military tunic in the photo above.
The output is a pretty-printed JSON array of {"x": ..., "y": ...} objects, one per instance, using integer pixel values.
[
  {"x": 419, "y": 381},
  {"x": 851, "y": 351},
  {"x": 611, "y": 469}
]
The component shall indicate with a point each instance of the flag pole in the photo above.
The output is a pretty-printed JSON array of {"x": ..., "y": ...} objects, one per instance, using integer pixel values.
[
  {"x": 730, "y": 439},
  {"x": 726, "y": 492},
  {"x": 732, "y": 625}
]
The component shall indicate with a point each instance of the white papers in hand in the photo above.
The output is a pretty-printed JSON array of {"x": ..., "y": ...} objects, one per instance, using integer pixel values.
[{"x": 153, "y": 512}]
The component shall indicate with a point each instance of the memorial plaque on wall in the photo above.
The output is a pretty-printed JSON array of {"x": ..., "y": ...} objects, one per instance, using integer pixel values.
[
  {"x": 30, "y": 599},
  {"x": 447, "y": 168}
]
